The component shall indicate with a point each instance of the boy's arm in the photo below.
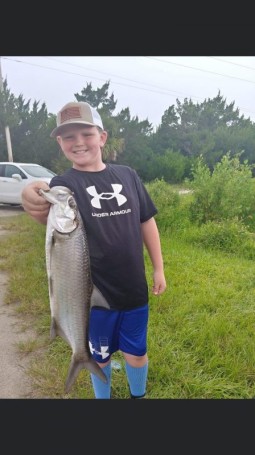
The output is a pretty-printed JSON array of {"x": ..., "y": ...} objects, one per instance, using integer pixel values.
[{"x": 152, "y": 242}]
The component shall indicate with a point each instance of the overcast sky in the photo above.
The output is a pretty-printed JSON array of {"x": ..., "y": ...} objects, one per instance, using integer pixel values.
[{"x": 148, "y": 85}]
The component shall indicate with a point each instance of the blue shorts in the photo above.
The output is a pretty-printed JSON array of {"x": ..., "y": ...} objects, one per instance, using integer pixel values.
[{"x": 113, "y": 330}]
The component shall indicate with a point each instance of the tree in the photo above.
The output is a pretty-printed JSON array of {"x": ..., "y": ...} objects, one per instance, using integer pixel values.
[
  {"x": 209, "y": 129},
  {"x": 135, "y": 134},
  {"x": 30, "y": 129},
  {"x": 8, "y": 116}
]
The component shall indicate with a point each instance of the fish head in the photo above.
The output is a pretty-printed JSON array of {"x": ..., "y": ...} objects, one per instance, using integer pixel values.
[{"x": 63, "y": 214}]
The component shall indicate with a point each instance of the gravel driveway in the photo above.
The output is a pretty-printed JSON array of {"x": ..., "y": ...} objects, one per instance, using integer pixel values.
[{"x": 10, "y": 210}]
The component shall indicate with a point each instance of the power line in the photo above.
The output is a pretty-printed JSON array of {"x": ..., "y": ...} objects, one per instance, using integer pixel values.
[
  {"x": 160, "y": 90},
  {"x": 233, "y": 63},
  {"x": 109, "y": 74},
  {"x": 200, "y": 69}
]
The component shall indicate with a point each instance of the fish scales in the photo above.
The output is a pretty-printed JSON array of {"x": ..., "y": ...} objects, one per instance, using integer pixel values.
[
  {"x": 71, "y": 290},
  {"x": 74, "y": 289}
]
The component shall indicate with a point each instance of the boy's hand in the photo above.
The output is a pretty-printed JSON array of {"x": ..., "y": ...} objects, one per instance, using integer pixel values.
[
  {"x": 34, "y": 204},
  {"x": 159, "y": 283}
]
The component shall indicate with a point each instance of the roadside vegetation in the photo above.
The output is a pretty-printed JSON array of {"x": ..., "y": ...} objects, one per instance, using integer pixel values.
[
  {"x": 187, "y": 130},
  {"x": 201, "y": 336}
]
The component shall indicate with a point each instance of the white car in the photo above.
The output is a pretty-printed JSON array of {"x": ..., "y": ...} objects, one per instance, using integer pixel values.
[{"x": 15, "y": 176}]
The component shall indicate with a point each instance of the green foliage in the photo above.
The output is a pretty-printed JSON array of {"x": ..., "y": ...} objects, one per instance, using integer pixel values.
[
  {"x": 170, "y": 166},
  {"x": 61, "y": 164},
  {"x": 136, "y": 151},
  {"x": 226, "y": 193},
  {"x": 227, "y": 236},
  {"x": 187, "y": 131},
  {"x": 173, "y": 215},
  {"x": 98, "y": 98},
  {"x": 201, "y": 330},
  {"x": 209, "y": 129},
  {"x": 8, "y": 107}
]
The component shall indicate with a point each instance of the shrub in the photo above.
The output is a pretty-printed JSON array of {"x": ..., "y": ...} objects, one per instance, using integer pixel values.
[
  {"x": 228, "y": 236},
  {"x": 226, "y": 193},
  {"x": 171, "y": 166},
  {"x": 172, "y": 214}
]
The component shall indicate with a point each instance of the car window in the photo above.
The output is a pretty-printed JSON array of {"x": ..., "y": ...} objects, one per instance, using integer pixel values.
[
  {"x": 11, "y": 169},
  {"x": 2, "y": 168},
  {"x": 38, "y": 171}
]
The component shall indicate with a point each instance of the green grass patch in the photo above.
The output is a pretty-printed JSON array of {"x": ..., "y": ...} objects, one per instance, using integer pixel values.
[{"x": 201, "y": 333}]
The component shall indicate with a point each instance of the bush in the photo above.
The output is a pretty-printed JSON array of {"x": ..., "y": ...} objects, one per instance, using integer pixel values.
[
  {"x": 173, "y": 213},
  {"x": 226, "y": 193},
  {"x": 171, "y": 166},
  {"x": 228, "y": 236}
]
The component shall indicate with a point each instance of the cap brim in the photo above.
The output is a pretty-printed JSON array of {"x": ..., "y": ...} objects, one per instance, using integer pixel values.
[{"x": 57, "y": 131}]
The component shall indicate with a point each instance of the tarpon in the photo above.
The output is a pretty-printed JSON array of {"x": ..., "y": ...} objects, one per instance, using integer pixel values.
[{"x": 71, "y": 290}]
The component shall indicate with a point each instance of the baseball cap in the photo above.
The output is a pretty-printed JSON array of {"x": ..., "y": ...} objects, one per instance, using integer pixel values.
[{"x": 77, "y": 113}]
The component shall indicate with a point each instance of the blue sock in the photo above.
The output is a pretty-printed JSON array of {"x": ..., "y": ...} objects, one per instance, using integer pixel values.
[
  {"x": 102, "y": 390},
  {"x": 137, "y": 380}
]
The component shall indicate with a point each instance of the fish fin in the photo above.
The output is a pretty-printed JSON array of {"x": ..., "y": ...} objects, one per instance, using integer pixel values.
[
  {"x": 55, "y": 330},
  {"x": 97, "y": 299},
  {"x": 77, "y": 365}
]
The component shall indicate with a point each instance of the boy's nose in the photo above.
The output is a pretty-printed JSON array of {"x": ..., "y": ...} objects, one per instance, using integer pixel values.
[{"x": 79, "y": 139}]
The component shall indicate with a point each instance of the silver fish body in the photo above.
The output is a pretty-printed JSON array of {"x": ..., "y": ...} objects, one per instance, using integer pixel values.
[{"x": 71, "y": 290}]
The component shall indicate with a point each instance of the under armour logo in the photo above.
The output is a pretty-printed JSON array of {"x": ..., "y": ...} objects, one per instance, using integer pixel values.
[
  {"x": 95, "y": 202},
  {"x": 103, "y": 350}
]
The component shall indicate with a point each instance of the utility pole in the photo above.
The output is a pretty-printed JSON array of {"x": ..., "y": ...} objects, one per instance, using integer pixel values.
[{"x": 7, "y": 130}]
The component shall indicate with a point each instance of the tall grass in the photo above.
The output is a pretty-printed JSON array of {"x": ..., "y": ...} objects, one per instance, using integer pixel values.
[{"x": 201, "y": 334}]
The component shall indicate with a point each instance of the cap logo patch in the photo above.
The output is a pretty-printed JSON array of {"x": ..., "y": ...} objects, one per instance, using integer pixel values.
[{"x": 70, "y": 113}]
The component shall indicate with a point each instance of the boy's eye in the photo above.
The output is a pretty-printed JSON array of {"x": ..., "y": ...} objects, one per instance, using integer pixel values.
[{"x": 67, "y": 137}]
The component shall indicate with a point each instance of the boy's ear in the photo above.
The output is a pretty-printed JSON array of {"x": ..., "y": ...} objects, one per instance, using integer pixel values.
[{"x": 104, "y": 136}]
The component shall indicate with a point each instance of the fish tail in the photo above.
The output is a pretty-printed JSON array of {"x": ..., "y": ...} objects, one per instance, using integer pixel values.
[
  {"x": 93, "y": 367},
  {"x": 77, "y": 365}
]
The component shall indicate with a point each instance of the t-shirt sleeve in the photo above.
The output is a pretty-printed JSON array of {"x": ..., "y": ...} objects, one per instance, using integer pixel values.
[{"x": 147, "y": 206}]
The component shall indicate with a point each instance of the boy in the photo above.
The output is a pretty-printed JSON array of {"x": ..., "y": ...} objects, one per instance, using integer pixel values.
[{"x": 118, "y": 215}]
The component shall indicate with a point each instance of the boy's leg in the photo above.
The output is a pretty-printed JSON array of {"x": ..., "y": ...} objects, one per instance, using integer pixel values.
[
  {"x": 133, "y": 339},
  {"x": 137, "y": 379},
  {"x": 101, "y": 341},
  {"x": 102, "y": 390}
]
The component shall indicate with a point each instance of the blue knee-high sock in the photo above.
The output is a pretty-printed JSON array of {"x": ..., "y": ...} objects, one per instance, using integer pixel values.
[
  {"x": 137, "y": 380},
  {"x": 102, "y": 390}
]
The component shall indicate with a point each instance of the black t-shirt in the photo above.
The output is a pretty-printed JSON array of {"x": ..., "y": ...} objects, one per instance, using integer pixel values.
[{"x": 113, "y": 203}]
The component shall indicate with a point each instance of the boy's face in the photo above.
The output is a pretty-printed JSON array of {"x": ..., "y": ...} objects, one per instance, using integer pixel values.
[{"x": 81, "y": 144}]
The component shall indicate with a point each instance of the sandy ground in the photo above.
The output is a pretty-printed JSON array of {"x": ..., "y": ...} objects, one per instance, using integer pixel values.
[{"x": 14, "y": 381}]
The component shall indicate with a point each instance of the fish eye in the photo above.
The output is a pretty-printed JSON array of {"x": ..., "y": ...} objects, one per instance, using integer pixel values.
[{"x": 71, "y": 202}]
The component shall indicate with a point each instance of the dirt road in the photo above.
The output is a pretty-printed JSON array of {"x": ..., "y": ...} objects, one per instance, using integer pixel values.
[{"x": 14, "y": 381}]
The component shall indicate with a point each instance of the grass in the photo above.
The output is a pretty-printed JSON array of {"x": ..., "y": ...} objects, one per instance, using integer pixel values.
[{"x": 201, "y": 334}]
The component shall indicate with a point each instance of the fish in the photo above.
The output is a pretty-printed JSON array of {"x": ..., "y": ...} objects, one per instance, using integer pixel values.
[{"x": 71, "y": 290}]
